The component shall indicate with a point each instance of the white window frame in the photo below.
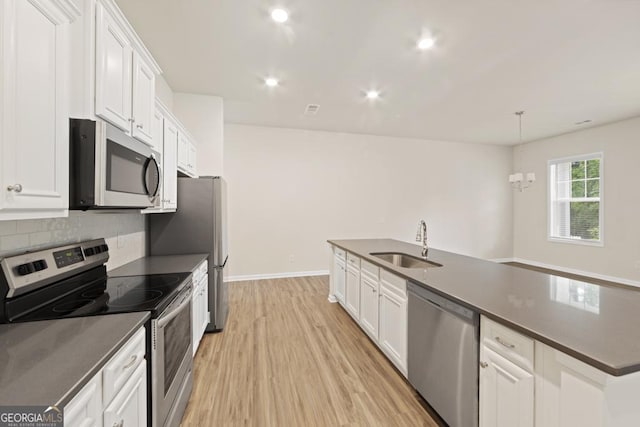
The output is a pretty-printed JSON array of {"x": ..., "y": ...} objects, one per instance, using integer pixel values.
[{"x": 550, "y": 202}]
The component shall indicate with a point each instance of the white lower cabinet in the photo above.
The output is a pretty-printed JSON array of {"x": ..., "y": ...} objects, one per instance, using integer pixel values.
[
  {"x": 85, "y": 410},
  {"x": 338, "y": 276},
  {"x": 369, "y": 305},
  {"x": 393, "y": 325},
  {"x": 506, "y": 392},
  {"x": 200, "y": 304},
  {"x": 129, "y": 407},
  {"x": 506, "y": 377},
  {"x": 352, "y": 292},
  {"x": 377, "y": 300},
  {"x": 117, "y": 394}
]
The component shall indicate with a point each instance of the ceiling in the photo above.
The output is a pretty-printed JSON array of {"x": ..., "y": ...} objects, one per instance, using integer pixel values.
[{"x": 562, "y": 61}]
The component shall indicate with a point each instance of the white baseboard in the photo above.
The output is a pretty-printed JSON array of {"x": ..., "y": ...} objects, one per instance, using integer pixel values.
[
  {"x": 277, "y": 275},
  {"x": 571, "y": 271},
  {"x": 501, "y": 260}
]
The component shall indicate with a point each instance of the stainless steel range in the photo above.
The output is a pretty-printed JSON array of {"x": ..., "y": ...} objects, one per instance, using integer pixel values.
[{"x": 71, "y": 281}]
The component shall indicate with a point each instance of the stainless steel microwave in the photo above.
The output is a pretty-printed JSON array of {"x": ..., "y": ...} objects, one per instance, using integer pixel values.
[{"x": 109, "y": 169}]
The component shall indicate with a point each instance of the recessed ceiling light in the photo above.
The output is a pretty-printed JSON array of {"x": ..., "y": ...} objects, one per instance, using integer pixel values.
[
  {"x": 271, "y": 81},
  {"x": 373, "y": 94},
  {"x": 279, "y": 15},
  {"x": 426, "y": 43}
]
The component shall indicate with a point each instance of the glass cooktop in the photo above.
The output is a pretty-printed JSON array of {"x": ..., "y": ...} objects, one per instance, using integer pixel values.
[{"x": 114, "y": 295}]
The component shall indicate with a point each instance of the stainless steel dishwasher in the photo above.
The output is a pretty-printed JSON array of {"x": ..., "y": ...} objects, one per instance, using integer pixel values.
[{"x": 443, "y": 355}]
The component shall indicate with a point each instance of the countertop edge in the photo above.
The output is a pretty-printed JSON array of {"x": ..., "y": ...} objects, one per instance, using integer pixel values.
[
  {"x": 84, "y": 380},
  {"x": 612, "y": 370}
]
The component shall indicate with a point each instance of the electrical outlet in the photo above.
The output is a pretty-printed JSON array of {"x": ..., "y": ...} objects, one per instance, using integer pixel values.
[{"x": 292, "y": 258}]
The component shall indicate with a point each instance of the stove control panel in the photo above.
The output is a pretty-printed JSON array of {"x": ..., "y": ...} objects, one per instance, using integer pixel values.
[
  {"x": 28, "y": 271},
  {"x": 68, "y": 257}
]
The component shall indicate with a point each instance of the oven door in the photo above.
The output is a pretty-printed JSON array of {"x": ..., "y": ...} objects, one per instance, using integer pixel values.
[
  {"x": 128, "y": 175},
  {"x": 171, "y": 357}
]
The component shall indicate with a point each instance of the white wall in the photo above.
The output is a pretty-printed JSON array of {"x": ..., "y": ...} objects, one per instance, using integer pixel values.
[
  {"x": 125, "y": 234},
  {"x": 291, "y": 190},
  {"x": 620, "y": 256},
  {"x": 202, "y": 115}
]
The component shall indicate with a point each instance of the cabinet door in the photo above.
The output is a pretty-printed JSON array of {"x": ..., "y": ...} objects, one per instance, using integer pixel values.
[
  {"x": 85, "y": 409},
  {"x": 34, "y": 101},
  {"x": 393, "y": 326},
  {"x": 192, "y": 159},
  {"x": 369, "y": 306},
  {"x": 129, "y": 407},
  {"x": 183, "y": 152},
  {"x": 113, "y": 71},
  {"x": 195, "y": 318},
  {"x": 157, "y": 140},
  {"x": 205, "y": 305},
  {"x": 339, "y": 279},
  {"x": 352, "y": 293},
  {"x": 170, "y": 200},
  {"x": 506, "y": 392},
  {"x": 144, "y": 91}
]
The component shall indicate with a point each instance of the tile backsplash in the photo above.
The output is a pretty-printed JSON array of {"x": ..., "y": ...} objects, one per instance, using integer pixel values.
[{"x": 125, "y": 233}]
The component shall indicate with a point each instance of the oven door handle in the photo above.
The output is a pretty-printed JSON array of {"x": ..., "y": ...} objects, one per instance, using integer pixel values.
[{"x": 183, "y": 304}]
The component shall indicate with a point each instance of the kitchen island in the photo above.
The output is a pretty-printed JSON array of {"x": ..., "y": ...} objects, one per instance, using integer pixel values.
[{"x": 578, "y": 343}]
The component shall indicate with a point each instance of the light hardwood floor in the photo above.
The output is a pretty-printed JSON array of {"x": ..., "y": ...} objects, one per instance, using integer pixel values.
[{"x": 288, "y": 357}]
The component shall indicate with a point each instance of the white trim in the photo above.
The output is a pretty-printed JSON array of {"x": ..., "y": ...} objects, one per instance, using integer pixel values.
[
  {"x": 590, "y": 274},
  {"x": 501, "y": 260},
  {"x": 277, "y": 275}
]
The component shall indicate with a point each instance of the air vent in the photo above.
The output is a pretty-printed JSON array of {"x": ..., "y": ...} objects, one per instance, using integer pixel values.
[{"x": 311, "y": 110}]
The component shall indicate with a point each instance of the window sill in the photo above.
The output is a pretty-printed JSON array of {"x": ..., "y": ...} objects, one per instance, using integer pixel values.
[{"x": 599, "y": 243}]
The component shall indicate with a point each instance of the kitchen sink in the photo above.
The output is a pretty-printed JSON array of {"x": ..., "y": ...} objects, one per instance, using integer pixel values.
[{"x": 405, "y": 260}]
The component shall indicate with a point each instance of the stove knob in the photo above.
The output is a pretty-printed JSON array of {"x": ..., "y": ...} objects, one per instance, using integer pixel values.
[
  {"x": 39, "y": 265},
  {"x": 25, "y": 269},
  {"x": 104, "y": 248},
  {"x": 89, "y": 251}
]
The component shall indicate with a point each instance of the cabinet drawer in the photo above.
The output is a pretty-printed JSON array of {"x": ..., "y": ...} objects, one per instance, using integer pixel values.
[
  {"x": 121, "y": 366},
  {"x": 340, "y": 253},
  {"x": 370, "y": 270},
  {"x": 511, "y": 345},
  {"x": 353, "y": 261},
  {"x": 394, "y": 282}
]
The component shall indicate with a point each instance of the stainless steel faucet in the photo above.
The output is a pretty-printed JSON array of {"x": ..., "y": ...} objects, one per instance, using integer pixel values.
[{"x": 421, "y": 235}]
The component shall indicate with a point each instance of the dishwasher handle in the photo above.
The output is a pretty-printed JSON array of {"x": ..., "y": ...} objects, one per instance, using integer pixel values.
[{"x": 443, "y": 303}]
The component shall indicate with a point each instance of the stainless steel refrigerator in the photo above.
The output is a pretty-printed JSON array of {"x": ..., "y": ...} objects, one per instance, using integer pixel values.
[{"x": 198, "y": 226}]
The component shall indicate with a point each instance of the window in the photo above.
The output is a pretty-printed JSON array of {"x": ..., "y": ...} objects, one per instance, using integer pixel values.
[{"x": 575, "y": 199}]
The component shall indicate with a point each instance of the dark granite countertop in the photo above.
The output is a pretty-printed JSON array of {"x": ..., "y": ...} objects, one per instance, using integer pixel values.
[
  {"x": 161, "y": 264},
  {"x": 48, "y": 362},
  {"x": 599, "y": 325}
]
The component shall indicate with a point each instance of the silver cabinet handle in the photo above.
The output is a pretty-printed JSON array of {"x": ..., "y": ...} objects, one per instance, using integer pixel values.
[
  {"x": 16, "y": 187},
  {"x": 131, "y": 119},
  {"x": 504, "y": 343},
  {"x": 131, "y": 363},
  {"x": 140, "y": 126},
  {"x": 374, "y": 291},
  {"x": 483, "y": 364}
]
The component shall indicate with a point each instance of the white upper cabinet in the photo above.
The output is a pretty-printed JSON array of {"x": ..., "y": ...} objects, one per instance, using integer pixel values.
[
  {"x": 186, "y": 155},
  {"x": 114, "y": 77},
  {"x": 144, "y": 84},
  {"x": 34, "y": 105},
  {"x": 170, "y": 156},
  {"x": 114, "y": 55}
]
